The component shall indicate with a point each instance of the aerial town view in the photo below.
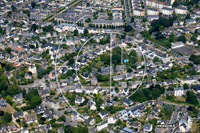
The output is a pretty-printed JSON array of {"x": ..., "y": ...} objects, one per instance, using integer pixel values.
[{"x": 99, "y": 66}]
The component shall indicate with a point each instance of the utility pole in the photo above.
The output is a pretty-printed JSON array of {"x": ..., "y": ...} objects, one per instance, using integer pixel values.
[
  {"x": 121, "y": 53},
  {"x": 110, "y": 63}
]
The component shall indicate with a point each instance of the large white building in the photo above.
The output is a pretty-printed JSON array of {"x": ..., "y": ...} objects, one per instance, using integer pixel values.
[
  {"x": 138, "y": 12},
  {"x": 167, "y": 11},
  {"x": 181, "y": 10},
  {"x": 178, "y": 91},
  {"x": 152, "y": 11},
  {"x": 177, "y": 45},
  {"x": 157, "y": 4}
]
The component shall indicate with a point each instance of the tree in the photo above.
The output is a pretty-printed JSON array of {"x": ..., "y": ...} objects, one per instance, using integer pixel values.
[
  {"x": 13, "y": 90},
  {"x": 35, "y": 101},
  {"x": 9, "y": 99},
  {"x": 144, "y": 19},
  {"x": 171, "y": 37},
  {"x": 182, "y": 38},
  {"x": 52, "y": 92},
  {"x": 185, "y": 86},
  {"x": 1, "y": 113},
  {"x": 86, "y": 31},
  {"x": 34, "y": 27},
  {"x": 187, "y": 16},
  {"x": 192, "y": 98},
  {"x": 62, "y": 118},
  {"x": 14, "y": 9},
  {"x": 8, "y": 50},
  {"x": 129, "y": 70},
  {"x": 156, "y": 59},
  {"x": 7, "y": 117},
  {"x": 161, "y": 28},
  {"x": 193, "y": 38},
  {"x": 48, "y": 28},
  {"x": 132, "y": 19},
  {"x": 33, "y": 4},
  {"x": 115, "y": 98},
  {"x": 128, "y": 28},
  {"x": 88, "y": 20},
  {"x": 75, "y": 32},
  {"x": 145, "y": 34}
]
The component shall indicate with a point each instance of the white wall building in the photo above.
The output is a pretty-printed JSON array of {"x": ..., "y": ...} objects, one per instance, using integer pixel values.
[
  {"x": 167, "y": 11},
  {"x": 177, "y": 45},
  {"x": 152, "y": 11},
  {"x": 138, "y": 12},
  {"x": 181, "y": 10},
  {"x": 178, "y": 91}
]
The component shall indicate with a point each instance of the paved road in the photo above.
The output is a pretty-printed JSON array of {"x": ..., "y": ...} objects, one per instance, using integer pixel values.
[
  {"x": 173, "y": 118},
  {"x": 92, "y": 128},
  {"x": 58, "y": 113},
  {"x": 127, "y": 12}
]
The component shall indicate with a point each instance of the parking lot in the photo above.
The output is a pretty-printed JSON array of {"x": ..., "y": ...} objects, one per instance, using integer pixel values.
[{"x": 185, "y": 50}]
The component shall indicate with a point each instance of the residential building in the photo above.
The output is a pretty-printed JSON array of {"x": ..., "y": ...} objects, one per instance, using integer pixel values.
[
  {"x": 152, "y": 11},
  {"x": 178, "y": 91},
  {"x": 167, "y": 11}
]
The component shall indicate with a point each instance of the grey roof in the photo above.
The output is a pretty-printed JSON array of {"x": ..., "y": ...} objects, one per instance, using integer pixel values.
[
  {"x": 127, "y": 100},
  {"x": 3, "y": 103},
  {"x": 18, "y": 114},
  {"x": 104, "y": 113},
  {"x": 147, "y": 126}
]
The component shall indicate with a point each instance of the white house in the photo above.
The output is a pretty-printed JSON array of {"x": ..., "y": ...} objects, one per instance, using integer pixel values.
[
  {"x": 167, "y": 11},
  {"x": 177, "y": 45},
  {"x": 32, "y": 68},
  {"x": 138, "y": 12},
  {"x": 198, "y": 37},
  {"x": 147, "y": 127},
  {"x": 152, "y": 11},
  {"x": 181, "y": 10},
  {"x": 30, "y": 118},
  {"x": 178, "y": 91},
  {"x": 103, "y": 114},
  {"x": 79, "y": 100},
  {"x": 103, "y": 125}
]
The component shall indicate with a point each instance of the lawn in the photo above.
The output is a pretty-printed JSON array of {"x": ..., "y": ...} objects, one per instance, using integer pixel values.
[
  {"x": 143, "y": 118},
  {"x": 8, "y": 109},
  {"x": 178, "y": 100},
  {"x": 194, "y": 126}
]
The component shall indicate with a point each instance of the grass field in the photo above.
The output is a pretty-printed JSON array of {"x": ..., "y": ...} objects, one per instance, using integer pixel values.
[
  {"x": 194, "y": 126},
  {"x": 8, "y": 109}
]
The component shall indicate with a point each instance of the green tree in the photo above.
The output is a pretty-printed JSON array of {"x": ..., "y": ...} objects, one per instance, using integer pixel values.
[
  {"x": 13, "y": 90},
  {"x": 7, "y": 117},
  {"x": 193, "y": 38},
  {"x": 187, "y": 16},
  {"x": 182, "y": 38},
  {"x": 185, "y": 86},
  {"x": 171, "y": 37},
  {"x": 34, "y": 27},
  {"x": 14, "y": 9},
  {"x": 86, "y": 31},
  {"x": 128, "y": 28},
  {"x": 132, "y": 19},
  {"x": 52, "y": 92},
  {"x": 62, "y": 118},
  {"x": 192, "y": 98},
  {"x": 156, "y": 59},
  {"x": 8, "y": 50},
  {"x": 144, "y": 19},
  {"x": 9, "y": 99},
  {"x": 33, "y": 4},
  {"x": 35, "y": 101},
  {"x": 75, "y": 32},
  {"x": 145, "y": 34}
]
